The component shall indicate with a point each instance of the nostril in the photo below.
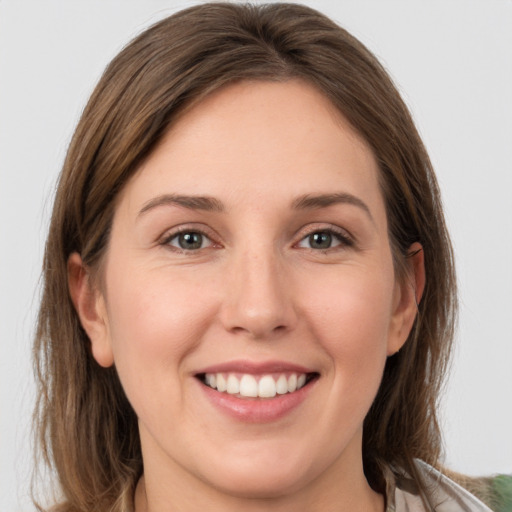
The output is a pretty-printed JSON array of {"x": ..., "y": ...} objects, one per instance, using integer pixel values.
[{"x": 259, "y": 332}]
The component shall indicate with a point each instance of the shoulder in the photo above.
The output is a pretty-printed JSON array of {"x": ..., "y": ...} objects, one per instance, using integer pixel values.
[
  {"x": 501, "y": 491},
  {"x": 444, "y": 494},
  {"x": 447, "y": 495}
]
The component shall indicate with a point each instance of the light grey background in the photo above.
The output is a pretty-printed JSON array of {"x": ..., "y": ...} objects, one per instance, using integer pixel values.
[{"x": 453, "y": 62}]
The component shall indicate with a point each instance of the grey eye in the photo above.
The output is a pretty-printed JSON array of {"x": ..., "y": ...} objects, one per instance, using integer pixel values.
[
  {"x": 189, "y": 241},
  {"x": 320, "y": 240}
]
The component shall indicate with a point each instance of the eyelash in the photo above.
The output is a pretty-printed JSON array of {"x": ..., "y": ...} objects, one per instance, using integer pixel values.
[
  {"x": 343, "y": 239},
  {"x": 184, "y": 230}
]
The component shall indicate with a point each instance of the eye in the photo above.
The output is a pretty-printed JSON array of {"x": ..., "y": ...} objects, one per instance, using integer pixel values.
[
  {"x": 325, "y": 239},
  {"x": 188, "y": 240}
]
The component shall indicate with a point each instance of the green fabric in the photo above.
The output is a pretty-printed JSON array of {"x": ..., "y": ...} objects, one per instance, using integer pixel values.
[{"x": 502, "y": 491}]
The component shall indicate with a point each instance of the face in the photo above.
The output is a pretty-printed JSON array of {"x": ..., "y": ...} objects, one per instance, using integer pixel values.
[{"x": 249, "y": 300}]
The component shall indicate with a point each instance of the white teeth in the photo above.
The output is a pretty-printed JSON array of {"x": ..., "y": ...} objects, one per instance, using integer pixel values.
[
  {"x": 211, "y": 380},
  {"x": 221, "y": 382},
  {"x": 267, "y": 387},
  {"x": 233, "y": 385},
  {"x": 248, "y": 385},
  {"x": 282, "y": 385},
  {"x": 292, "y": 383}
]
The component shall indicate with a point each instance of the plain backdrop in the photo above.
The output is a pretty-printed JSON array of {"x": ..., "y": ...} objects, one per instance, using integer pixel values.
[{"x": 452, "y": 60}]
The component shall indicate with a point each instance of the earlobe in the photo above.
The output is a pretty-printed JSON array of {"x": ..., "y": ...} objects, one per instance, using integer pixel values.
[
  {"x": 90, "y": 307},
  {"x": 408, "y": 295}
]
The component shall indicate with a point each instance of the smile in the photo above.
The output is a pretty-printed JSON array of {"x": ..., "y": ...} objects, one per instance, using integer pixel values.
[
  {"x": 256, "y": 386},
  {"x": 257, "y": 392}
]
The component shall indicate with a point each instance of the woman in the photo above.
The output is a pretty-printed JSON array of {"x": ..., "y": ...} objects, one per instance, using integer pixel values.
[{"x": 254, "y": 281}]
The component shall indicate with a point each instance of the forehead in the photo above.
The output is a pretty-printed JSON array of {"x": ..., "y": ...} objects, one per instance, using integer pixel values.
[{"x": 259, "y": 139}]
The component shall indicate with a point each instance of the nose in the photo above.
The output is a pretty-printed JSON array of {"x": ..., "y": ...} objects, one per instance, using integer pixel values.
[{"x": 259, "y": 297}]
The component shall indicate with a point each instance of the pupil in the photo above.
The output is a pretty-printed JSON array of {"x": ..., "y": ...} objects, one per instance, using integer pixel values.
[
  {"x": 190, "y": 240},
  {"x": 320, "y": 240}
]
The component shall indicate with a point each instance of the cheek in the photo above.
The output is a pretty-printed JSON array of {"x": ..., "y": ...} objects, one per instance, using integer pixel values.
[
  {"x": 348, "y": 318},
  {"x": 155, "y": 320},
  {"x": 351, "y": 305},
  {"x": 351, "y": 319}
]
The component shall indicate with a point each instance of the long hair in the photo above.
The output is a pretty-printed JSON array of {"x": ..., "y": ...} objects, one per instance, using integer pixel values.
[{"x": 87, "y": 430}]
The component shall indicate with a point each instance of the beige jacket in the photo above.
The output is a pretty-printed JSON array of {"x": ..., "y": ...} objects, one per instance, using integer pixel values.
[{"x": 444, "y": 494}]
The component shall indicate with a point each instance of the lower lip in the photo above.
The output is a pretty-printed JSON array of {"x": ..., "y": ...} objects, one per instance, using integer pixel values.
[{"x": 258, "y": 410}]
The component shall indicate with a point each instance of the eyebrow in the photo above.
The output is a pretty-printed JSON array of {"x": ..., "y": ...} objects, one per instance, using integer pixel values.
[
  {"x": 205, "y": 203},
  {"x": 311, "y": 202}
]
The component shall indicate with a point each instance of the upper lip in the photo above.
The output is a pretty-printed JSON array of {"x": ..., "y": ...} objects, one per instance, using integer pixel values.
[{"x": 255, "y": 367}]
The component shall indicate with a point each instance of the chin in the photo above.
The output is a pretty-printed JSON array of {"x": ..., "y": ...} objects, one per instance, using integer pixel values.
[
  {"x": 260, "y": 479},
  {"x": 261, "y": 484}
]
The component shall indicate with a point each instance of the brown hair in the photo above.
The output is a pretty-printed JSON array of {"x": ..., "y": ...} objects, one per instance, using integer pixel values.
[{"x": 87, "y": 429}]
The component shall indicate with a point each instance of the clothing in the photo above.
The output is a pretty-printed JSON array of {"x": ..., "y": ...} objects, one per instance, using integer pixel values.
[{"x": 444, "y": 494}]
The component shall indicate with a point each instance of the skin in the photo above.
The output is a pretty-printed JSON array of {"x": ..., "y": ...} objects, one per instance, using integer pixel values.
[{"x": 256, "y": 290}]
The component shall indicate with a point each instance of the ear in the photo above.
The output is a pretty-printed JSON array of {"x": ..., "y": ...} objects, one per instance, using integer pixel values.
[
  {"x": 408, "y": 293},
  {"x": 90, "y": 307}
]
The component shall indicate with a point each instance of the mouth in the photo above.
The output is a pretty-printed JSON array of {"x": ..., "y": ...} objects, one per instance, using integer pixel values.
[
  {"x": 257, "y": 392},
  {"x": 257, "y": 386}
]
